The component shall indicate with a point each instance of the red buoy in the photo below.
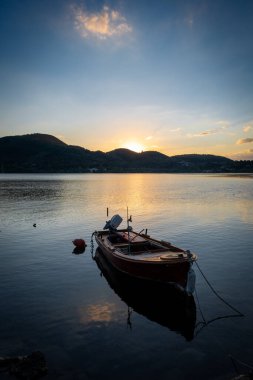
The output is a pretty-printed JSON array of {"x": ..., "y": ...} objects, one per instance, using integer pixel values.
[{"x": 79, "y": 243}]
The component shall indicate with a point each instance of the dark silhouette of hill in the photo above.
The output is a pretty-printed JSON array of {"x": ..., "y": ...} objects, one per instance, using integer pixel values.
[
  {"x": 44, "y": 153},
  {"x": 41, "y": 153},
  {"x": 196, "y": 162},
  {"x": 127, "y": 159}
]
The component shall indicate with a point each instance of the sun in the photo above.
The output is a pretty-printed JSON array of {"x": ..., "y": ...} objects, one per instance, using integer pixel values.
[{"x": 135, "y": 146}]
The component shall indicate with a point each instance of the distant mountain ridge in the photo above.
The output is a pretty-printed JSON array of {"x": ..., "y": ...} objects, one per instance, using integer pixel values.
[{"x": 43, "y": 153}]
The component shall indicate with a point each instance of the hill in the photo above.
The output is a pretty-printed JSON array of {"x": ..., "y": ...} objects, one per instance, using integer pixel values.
[{"x": 41, "y": 153}]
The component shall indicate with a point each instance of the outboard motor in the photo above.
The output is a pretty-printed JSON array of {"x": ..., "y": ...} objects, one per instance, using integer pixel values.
[{"x": 113, "y": 223}]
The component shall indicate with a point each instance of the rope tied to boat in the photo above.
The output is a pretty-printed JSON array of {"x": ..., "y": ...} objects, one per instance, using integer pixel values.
[
  {"x": 92, "y": 245},
  {"x": 216, "y": 293},
  {"x": 237, "y": 361}
]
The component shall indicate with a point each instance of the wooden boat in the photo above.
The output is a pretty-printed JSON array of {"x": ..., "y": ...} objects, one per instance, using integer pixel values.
[
  {"x": 158, "y": 302},
  {"x": 143, "y": 257}
]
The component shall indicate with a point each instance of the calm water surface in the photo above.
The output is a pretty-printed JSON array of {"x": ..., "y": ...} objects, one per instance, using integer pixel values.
[{"x": 87, "y": 322}]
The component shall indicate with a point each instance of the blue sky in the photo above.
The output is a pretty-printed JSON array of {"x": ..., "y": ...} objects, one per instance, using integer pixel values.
[{"x": 168, "y": 75}]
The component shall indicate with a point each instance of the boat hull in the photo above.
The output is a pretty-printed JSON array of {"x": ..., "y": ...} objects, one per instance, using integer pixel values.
[{"x": 175, "y": 273}]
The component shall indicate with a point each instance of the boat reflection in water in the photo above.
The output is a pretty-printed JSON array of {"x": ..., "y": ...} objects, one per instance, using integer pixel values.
[{"x": 160, "y": 303}]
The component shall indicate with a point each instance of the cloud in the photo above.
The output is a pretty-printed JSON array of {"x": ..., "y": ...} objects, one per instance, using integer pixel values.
[
  {"x": 247, "y": 128},
  {"x": 208, "y": 132},
  {"x": 222, "y": 124},
  {"x": 244, "y": 141},
  {"x": 149, "y": 138},
  {"x": 102, "y": 25},
  {"x": 175, "y": 130}
]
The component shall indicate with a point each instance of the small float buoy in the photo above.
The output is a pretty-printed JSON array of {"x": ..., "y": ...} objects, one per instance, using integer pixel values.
[
  {"x": 79, "y": 243},
  {"x": 34, "y": 225}
]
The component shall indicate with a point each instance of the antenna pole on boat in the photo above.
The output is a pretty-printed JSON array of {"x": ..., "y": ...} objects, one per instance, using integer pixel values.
[{"x": 128, "y": 237}]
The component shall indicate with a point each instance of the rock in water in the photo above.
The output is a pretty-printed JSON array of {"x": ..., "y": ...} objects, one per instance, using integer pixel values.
[{"x": 29, "y": 367}]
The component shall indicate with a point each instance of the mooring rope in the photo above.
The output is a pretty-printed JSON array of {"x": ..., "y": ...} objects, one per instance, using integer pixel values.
[
  {"x": 202, "y": 315},
  {"x": 234, "y": 361},
  {"x": 217, "y": 295},
  {"x": 92, "y": 245}
]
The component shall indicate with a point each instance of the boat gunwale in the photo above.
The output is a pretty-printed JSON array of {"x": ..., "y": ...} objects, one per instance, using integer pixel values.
[{"x": 154, "y": 258}]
